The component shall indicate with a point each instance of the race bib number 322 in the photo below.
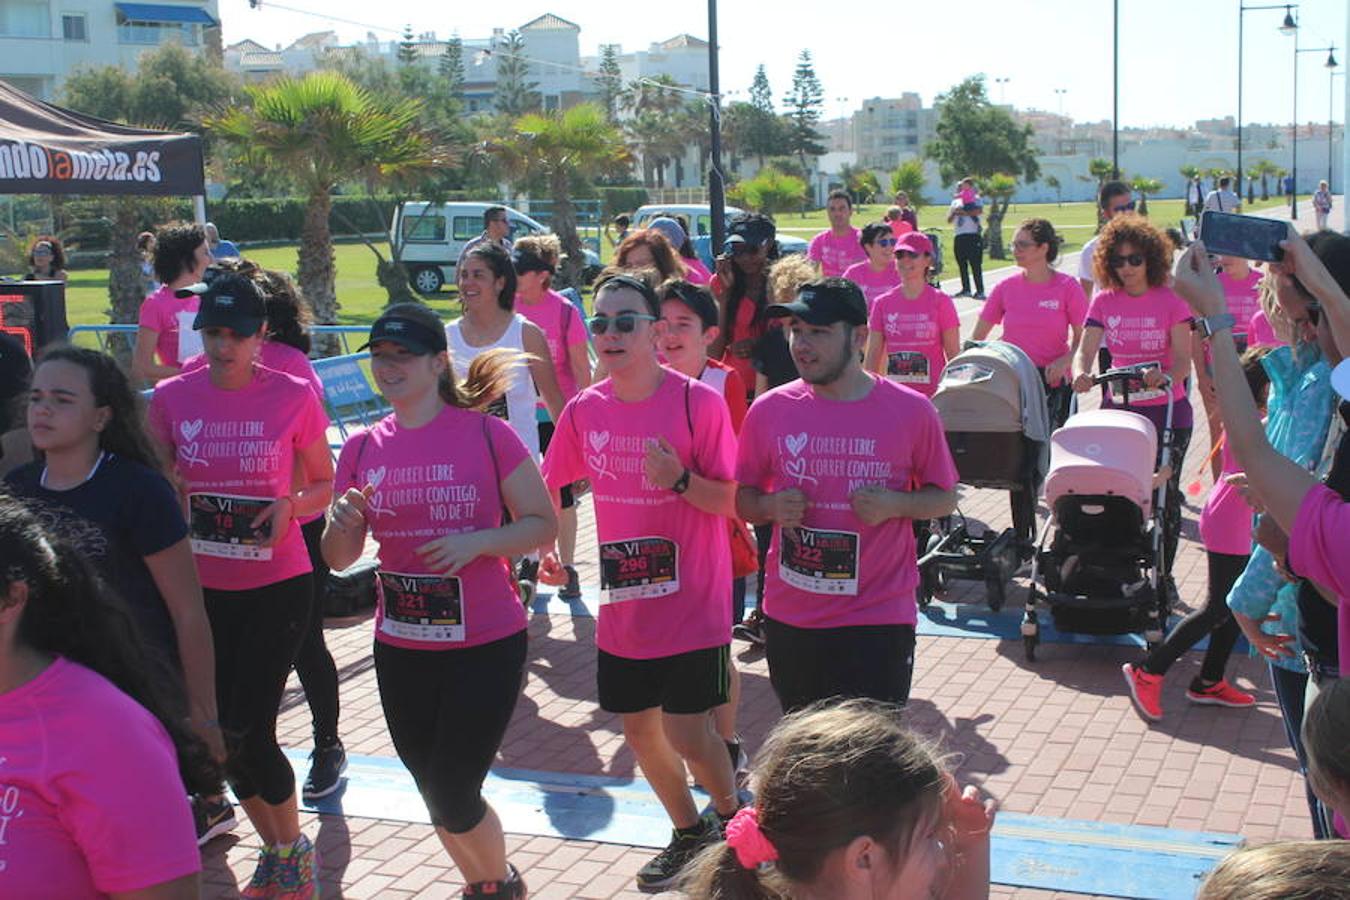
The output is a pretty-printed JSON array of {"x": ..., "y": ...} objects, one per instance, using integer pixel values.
[
  {"x": 422, "y": 607},
  {"x": 639, "y": 568},
  {"x": 822, "y": 562},
  {"x": 222, "y": 525}
]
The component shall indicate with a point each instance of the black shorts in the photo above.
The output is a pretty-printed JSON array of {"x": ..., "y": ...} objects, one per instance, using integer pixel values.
[
  {"x": 810, "y": 664},
  {"x": 683, "y": 684},
  {"x": 567, "y": 501}
]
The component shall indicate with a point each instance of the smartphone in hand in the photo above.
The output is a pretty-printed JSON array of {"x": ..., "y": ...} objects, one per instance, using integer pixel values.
[{"x": 1250, "y": 237}]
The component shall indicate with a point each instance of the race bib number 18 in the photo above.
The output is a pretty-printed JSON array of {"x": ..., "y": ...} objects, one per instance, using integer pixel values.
[
  {"x": 638, "y": 568},
  {"x": 422, "y": 607},
  {"x": 222, "y": 525},
  {"x": 822, "y": 562}
]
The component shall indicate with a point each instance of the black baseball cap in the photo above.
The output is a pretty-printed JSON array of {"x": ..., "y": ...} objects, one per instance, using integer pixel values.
[
  {"x": 698, "y": 299},
  {"x": 825, "y": 302},
  {"x": 228, "y": 300},
  {"x": 418, "y": 337},
  {"x": 751, "y": 230},
  {"x": 525, "y": 260}
]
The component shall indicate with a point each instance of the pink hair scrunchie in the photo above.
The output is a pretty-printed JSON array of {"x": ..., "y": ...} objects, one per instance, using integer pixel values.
[{"x": 743, "y": 835}]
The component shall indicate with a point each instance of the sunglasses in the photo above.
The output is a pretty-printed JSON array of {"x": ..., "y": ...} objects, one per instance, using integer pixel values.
[
  {"x": 741, "y": 248},
  {"x": 624, "y": 323},
  {"x": 1023, "y": 245},
  {"x": 885, "y": 242},
  {"x": 908, "y": 254},
  {"x": 1134, "y": 259},
  {"x": 1128, "y": 207}
]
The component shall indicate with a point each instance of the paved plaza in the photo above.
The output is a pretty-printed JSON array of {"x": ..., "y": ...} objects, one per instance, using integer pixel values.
[{"x": 1054, "y": 738}]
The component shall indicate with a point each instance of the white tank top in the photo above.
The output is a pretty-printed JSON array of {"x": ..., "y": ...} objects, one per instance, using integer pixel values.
[{"x": 517, "y": 406}]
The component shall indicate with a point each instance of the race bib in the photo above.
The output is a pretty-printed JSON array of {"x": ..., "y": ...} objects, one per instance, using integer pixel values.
[
  {"x": 638, "y": 568},
  {"x": 189, "y": 341},
  {"x": 222, "y": 525},
  {"x": 422, "y": 607},
  {"x": 907, "y": 367},
  {"x": 822, "y": 562},
  {"x": 1139, "y": 393}
]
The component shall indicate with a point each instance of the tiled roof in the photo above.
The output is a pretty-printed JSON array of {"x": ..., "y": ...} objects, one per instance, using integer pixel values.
[
  {"x": 683, "y": 40},
  {"x": 550, "y": 22}
]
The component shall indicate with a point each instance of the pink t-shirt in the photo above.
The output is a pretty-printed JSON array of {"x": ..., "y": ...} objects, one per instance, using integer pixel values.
[
  {"x": 913, "y": 331},
  {"x": 695, "y": 272},
  {"x": 235, "y": 451},
  {"x": 872, "y": 282},
  {"x": 1259, "y": 332},
  {"x": 1037, "y": 317},
  {"x": 665, "y": 564},
  {"x": 836, "y": 570},
  {"x": 171, "y": 318},
  {"x": 91, "y": 802},
  {"x": 563, "y": 329},
  {"x": 432, "y": 481},
  {"x": 1139, "y": 330},
  {"x": 1243, "y": 301},
  {"x": 1226, "y": 520},
  {"x": 1317, "y": 551},
  {"x": 836, "y": 253}
]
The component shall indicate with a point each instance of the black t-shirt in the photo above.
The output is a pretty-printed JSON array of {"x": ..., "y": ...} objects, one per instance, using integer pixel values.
[
  {"x": 1317, "y": 617},
  {"x": 123, "y": 514},
  {"x": 772, "y": 357},
  {"x": 15, "y": 369}
]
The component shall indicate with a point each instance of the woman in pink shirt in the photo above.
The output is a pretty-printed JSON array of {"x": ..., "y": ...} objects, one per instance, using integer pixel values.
[
  {"x": 234, "y": 432},
  {"x": 432, "y": 484},
  {"x": 878, "y": 273},
  {"x": 914, "y": 327},
  {"x": 676, "y": 230},
  {"x": 165, "y": 322},
  {"x": 1241, "y": 285},
  {"x": 1042, "y": 312},
  {"x": 95, "y": 764}
]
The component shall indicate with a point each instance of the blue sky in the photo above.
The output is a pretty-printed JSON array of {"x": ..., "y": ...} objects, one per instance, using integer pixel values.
[{"x": 1178, "y": 57}]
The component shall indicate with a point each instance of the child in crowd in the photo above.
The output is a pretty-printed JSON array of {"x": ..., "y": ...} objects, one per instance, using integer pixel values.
[
  {"x": 968, "y": 195},
  {"x": 1308, "y": 870},
  {"x": 1326, "y": 737}
]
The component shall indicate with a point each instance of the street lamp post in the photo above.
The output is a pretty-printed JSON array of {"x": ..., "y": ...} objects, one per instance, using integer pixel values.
[
  {"x": 717, "y": 201},
  {"x": 1330, "y": 64},
  {"x": 1331, "y": 122},
  {"x": 1059, "y": 93},
  {"x": 1288, "y": 27},
  {"x": 1002, "y": 89}
]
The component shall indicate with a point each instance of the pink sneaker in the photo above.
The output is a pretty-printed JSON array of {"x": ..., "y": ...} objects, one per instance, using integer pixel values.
[
  {"x": 1221, "y": 693},
  {"x": 1145, "y": 690}
]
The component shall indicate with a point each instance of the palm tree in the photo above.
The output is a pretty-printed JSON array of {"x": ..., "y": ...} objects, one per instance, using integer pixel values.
[
  {"x": 563, "y": 148},
  {"x": 1145, "y": 186},
  {"x": 1265, "y": 168},
  {"x": 1189, "y": 171},
  {"x": 910, "y": 177},
  {"x": 658, "y": 141},
  {"x": 1252, "y": 174},
  {"x": 322, "y": 131},
  {"x": 999, "y": 188},
  {"x": 1100, "y": 169},
  {"x": 654, "y": 93},
  {"x": 1214, "y": 174}
]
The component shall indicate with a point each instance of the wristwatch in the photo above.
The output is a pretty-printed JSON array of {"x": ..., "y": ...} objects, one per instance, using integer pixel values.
[
  {"x": 682, "y": 483},
  {"x": 1210, "y": 325}
]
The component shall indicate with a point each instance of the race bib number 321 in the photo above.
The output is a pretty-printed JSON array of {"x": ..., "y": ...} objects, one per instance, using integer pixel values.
[
  {"x": 222, "y": 525},
  {"x": 639, "y": 568},
  {"x": 422, "y": 607},
  {"x": 822, "y": 562}
]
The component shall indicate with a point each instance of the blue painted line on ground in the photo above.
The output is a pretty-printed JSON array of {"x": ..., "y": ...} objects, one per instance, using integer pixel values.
[{"x": 1028, "y": 851}]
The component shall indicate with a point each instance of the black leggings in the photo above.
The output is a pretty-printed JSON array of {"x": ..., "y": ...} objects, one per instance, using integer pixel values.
[
  {"x": 256, "y": 634},
  {"x": 1212, "y": 619},
  {"x": 1181, "y": 442},
  {"x": 447, "y": 711},
  {"x": 314, "y": 664},
  {"x": 969, "y": 252}
]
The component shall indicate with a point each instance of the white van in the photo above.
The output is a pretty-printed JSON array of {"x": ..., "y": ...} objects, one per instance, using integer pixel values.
[{"x": 430, "y": 238}]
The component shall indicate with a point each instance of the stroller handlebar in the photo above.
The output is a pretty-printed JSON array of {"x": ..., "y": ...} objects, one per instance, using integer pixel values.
[{"x": 1127, "y": 374}]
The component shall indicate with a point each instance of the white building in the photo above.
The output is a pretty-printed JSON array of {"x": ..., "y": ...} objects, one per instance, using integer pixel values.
[
  {"x": 887, "y": 132},
  {"x": 43, "y": 41},
  {"x": 684, "y": 58},
  {"x": 254, "y": 62}
]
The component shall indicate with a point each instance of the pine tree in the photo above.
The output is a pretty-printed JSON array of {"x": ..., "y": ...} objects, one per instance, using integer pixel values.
[
  {"x": 452, "y": 67},
  {"x": 514, "y": 95},
  {"x": 804, "y": 103},
  {"x": 761, "y": 97},
  {"x": 407, "y": 48},
  {"x": 610, "y": 81}
]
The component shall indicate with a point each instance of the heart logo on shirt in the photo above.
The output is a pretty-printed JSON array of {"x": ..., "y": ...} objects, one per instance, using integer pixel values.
[
  {"x": 795, "y": 443},
  {"x": 1113, "y": 322},
  {"x": 599, "y": 440},
  {"x": 190, "y": 430},
  {"x": 600, "y": 463},
  {"x": 375, "y": 476},
  {"x": 797, "y": 469},
  {"x": 188, "y": 452}
]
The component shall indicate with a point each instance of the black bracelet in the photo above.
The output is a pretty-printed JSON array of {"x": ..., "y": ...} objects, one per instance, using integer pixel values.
[{"x": 682, "y": 483}]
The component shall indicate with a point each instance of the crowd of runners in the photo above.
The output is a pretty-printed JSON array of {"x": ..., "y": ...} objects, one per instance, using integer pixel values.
[{"x": 762, "y": 430}]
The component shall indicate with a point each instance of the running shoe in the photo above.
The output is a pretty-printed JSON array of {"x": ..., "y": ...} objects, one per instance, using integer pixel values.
[
  {"x": 571, "y": 590},
  {"x": 1145, "y": 690},
  {"x": 264, "y": 880},
  {"x": 212, "y": 818},
  {"x": 962, "y": 293},
  {"x": 752, "y": 629},
  {"x": 297, "y": 872},
  {"x": 664, "y": 870},
  {"x": 512, "y": 888},
  {"x": 1220, "y": 693},
  {"x": 325, "y": 772},
  {"x": 978, "y": 295}
]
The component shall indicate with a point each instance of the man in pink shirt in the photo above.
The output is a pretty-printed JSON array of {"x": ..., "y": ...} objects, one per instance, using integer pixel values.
[
  {"x": 841, "y": 462},
  {"x": 658, "y": 450},
  {"x": 838, "y": 247}
]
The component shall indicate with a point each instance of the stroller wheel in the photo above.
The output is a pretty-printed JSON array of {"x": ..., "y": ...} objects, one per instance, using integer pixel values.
[{"x": 1029, "y": 642}]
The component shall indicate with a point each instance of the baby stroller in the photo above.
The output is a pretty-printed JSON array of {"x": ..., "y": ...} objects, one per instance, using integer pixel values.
[
  {"x": 1102, "y": 570},
  {"x": 992, "y": 403}
]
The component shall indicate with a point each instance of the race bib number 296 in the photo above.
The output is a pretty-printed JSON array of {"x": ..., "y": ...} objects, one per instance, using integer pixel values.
[{"x": 638, "y": 568}]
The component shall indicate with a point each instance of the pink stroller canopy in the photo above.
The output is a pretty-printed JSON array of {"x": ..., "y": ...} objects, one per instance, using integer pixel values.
[{"x": 1103, "y": 452}]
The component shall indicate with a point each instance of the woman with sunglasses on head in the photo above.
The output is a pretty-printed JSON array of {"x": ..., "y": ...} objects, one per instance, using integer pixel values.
[
  {"x": 1042, "y": 312},
  {"x": 234, "y": 432},
  {"x": 878, "y": 273},
  {"x": 913, "y": 328},
  {"x": 430, "y": 483},
  {"x": 1138, "y": 318},
  {"x": 46, "y": 260},
  {"x": 97, "y": 762}
]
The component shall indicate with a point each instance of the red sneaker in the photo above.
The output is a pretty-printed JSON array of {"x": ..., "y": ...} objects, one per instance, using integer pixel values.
[
  {"x": 1221, "y": 693},
  {"x": 1145, "y": 690}
]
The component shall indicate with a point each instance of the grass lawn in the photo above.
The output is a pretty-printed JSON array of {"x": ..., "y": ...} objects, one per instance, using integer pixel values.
[{"x": 361, "y": 297}]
